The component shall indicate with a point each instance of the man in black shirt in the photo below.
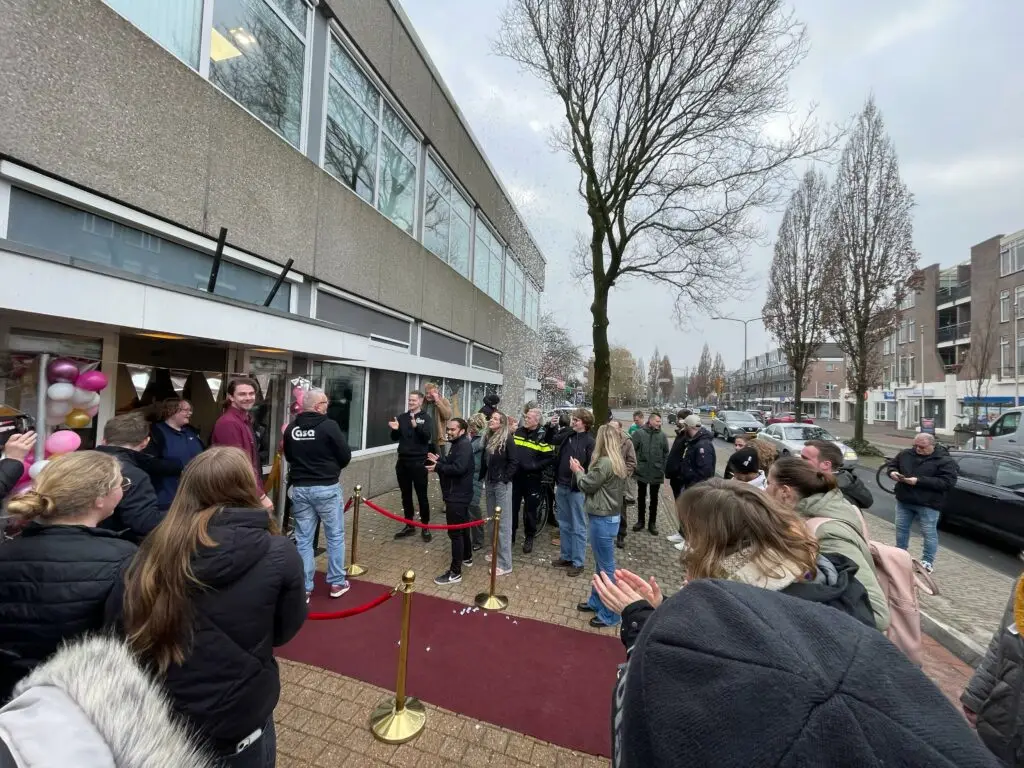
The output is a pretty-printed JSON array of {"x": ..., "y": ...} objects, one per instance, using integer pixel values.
[
  {"x": 455, "y": 470},
  {"x": 413, "y": 433}
]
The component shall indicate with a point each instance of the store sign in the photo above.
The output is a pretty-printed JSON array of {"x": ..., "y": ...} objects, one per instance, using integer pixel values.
[
  {"x": 888, "y": 395},
  {"x": 926, "y": 392}
]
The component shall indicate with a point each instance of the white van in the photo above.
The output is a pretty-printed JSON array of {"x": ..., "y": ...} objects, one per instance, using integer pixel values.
[{"x": 1007, "y": 432}]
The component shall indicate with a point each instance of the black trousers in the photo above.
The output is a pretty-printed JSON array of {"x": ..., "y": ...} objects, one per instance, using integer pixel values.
[
  {"x": 412, "y": 473},
  {"x": 526, "y": 488},
  {"x": 655, "y": 489},
  {"x": 462, "y": 542},
  {"x": 549, "y": 494}
]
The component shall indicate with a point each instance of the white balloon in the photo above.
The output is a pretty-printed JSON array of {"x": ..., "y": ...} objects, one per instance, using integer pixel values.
[
  {"x": 58, "y": 408},
  {"x": 82, "y": 398},
  {"x": 94, "y": 401},
  {"x": 37, "y": 467},
  {"x": 61, "y": 391}
]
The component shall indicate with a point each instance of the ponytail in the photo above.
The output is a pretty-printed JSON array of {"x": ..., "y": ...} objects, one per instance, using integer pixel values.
[
  {"x": 32, "y": 505},
  {"x": 68, "y": 486},
  {"x": 799, "y": 475}
]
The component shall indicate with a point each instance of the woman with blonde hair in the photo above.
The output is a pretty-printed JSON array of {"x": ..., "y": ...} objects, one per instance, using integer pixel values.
[
  {"x": 57, "y": 575},
  {"x": 498, "y": 466},
  {"x": 739, "y": 533},
  {"x": 212, "y": 591},
  {"x": 604, "y": 489}
]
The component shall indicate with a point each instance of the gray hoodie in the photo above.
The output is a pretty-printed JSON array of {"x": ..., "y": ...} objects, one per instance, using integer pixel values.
[{"x": 92, "y": 706}]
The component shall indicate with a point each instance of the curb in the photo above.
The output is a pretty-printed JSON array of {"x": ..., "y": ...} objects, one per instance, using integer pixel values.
[{"x": 953, "y": 640}]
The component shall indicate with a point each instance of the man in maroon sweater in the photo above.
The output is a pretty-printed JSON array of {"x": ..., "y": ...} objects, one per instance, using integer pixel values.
[{"x": 234, "y": 428}]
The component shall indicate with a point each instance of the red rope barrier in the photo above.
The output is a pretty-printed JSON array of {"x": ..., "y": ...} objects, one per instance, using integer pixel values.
[
  {"x": 348, "y": 504},
  {"x": 418, "y": 524},
  {"x": 353, "y": 611}
]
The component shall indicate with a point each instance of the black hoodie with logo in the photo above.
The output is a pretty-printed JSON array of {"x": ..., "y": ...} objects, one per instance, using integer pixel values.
[{"x": 316, "y": 450}]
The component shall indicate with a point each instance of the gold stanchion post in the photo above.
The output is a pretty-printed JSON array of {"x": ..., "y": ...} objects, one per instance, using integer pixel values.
[
  {"x": 400, "y": 719},
  {"x": 488, "y": 599},
  {"x": 354, "y": 569}
]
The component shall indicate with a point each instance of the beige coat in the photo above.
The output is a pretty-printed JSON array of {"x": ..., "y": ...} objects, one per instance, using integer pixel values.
[{"x": 629, "y": 456}]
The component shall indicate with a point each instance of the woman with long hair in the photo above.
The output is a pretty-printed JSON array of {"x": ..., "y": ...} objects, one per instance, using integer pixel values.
[
  {"x": 212, "y": 591},
  {"x": 794, "y": 483},
  {"x": 57, "y": 575},
  {"x": 738, "y": 533},
  {"x": 604, "y": 489},
  {"x": 175, "y": 440},
  {"x": 497, "y": 468}
]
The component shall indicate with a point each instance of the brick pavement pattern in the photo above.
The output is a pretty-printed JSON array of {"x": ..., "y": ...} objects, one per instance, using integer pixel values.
[{"x": 323, "y": 717}]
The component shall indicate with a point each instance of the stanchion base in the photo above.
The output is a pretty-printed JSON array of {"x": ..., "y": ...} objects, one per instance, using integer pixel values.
[
  {"x": 397, "y": 727},
  {"x": 491, "y": 602},
  {"x": 355, "y": 570}
]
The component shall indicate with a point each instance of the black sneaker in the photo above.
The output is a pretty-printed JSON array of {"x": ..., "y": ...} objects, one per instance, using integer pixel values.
[
  {"x": 585, "y": 608},
  {"x": 620, "y": 542},
  {"x": 477, "y": 547},
  {"x": 651, "y": 529},
  {"x": 405, "y": 532},
  {"x": 447, "y": 578},
  {"x": 560, "y": 563},
  {"x": 427, "y": 535},
  {"x": 528, "y": 545},
  {"x": 575, "y": 570},
  {"x": 468, "y": 563},
  {"x": 639, "y": 527}
]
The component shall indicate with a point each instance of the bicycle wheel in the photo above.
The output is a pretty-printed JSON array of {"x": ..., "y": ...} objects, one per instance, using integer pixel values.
[
  {"x": 885, "y": 482},
  {"x": 542, "y": 511}
]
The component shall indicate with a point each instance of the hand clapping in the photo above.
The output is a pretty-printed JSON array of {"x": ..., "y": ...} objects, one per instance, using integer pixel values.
[
  {"x": 393, "y": 423},
  {"x": 432, "y": 461},
  {"x": 627, "y": 588}
]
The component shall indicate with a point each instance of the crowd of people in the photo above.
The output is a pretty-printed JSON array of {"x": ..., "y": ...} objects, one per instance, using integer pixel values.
[{"x": 168, "y": 548}]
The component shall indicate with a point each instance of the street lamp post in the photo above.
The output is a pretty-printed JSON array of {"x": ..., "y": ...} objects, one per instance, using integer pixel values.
[{"x": 745, "y": 322}]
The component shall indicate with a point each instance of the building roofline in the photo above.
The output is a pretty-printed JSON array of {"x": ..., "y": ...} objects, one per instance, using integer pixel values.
[{"x": 410, "y": 30}]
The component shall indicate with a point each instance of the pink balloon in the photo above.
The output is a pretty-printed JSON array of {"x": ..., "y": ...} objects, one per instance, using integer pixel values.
[
  {"x": 61, "y": 370},
  {"x": 93, "y": 411},
  {"x": 63, "y": 441},
  {"x": 297, "y": 393},
  {"x": 93, "y": 381}
]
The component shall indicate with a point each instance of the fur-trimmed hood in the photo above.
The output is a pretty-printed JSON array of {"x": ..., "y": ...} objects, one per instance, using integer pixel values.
[{"x": 93, "y": 706}]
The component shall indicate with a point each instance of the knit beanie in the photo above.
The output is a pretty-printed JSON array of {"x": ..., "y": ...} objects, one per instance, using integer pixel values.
[
  {"x": 744, "y": 461},
  {"x": 728, "y": 675}
]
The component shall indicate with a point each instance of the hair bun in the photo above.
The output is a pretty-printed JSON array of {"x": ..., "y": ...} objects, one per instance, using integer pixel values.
[{"x": 32, "y": 505}]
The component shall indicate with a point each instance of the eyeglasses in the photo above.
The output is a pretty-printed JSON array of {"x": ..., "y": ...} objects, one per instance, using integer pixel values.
[{"x": 126, "y": 483}]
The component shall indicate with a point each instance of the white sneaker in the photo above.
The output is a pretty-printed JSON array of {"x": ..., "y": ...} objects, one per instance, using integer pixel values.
[
  {"x": 502, "y": 571},
  {"x": 675, "y": 538},
  {"x": 680, "y": 545}
]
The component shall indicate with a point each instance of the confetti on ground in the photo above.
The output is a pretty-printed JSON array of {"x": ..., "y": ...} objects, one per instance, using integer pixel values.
[{"x": 428, "y": 648}]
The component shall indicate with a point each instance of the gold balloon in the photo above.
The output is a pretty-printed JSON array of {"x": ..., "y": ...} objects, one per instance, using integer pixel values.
[{"x": 78, "y": 419}]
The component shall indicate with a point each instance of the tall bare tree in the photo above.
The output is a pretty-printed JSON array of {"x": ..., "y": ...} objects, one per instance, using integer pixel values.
[
  {"x": 873, "y": 262},
  {"x": 703, "y": 383},
  {"x": 623, "y": 383},
  {"x": 560, "y": 358},
  {"x": 665, "y": 380},
  {"x": 652, "y": 376},
  {"x": 981, "y": 361},
  {"x": 794, "y": 310},
  {"x": 666, "y": 105}
]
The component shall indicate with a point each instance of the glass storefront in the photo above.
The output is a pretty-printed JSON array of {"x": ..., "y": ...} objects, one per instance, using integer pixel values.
[{"x": 345, "y": 385}]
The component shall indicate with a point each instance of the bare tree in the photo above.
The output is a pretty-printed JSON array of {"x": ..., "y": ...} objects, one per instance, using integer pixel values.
[
  {"x": 977, "y": 363},
  {"x": 718, "y": 375},
  {"x": 560, "y": 360},
  {"x": 652, "y": 376},
  {"x": 623, "y": 382},
  {"x": 665, "y": 380},
  {"x": 703, "y": 374},
  {"x": 794, "y": 310},
  {"x": 872, "y": 260},
  {"x": 666, "y": 105}
]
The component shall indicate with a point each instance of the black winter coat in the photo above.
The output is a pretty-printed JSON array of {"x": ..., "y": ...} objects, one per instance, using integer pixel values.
[
  {"x": 139, "y": 512},
  {"x": 254, "y": 600},
  {"x": 54, "y": 582},
  {"x": 577, "y": 445},
  {"x": 936, "y": 475},
  {"x": 316, "y": 450},
  {"x": 853, "y": 488},
  {"x": 455, "y": 472},
  {"x": 692, "y": 459},
  {"x": 502, "y": 466},
  {"x": 11, "y": 471}
]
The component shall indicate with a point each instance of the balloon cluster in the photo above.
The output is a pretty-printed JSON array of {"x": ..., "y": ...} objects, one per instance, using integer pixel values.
[
  {"x": 297, "y": 394},
  {"x": 73, "y": 397}
]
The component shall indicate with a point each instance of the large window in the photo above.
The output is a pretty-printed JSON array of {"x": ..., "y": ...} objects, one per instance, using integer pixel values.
[
  {"x": 1018, "y": 301},
  {"x": 440, "y": 346},
  {"x": 488, "y": 261},
  {"x": 345, "y": 385},
  {"x": 360, "y": 319},
  {"x": 367, "y": 145},
  {"x": 1011, "y": 258},
  {"x": 453, "y": 390},
  {"x": 1004, "y": 306},
  {"x": 446, "y": 219},
  {"x": 514, "y": 287},
  {"x": 258, "y": 57},
  {"x": 92, "y": 239},
  {"x": 531, "y": 311},
  {"x": 387, "y": 399},
  {"x": 177, "y": 25}
]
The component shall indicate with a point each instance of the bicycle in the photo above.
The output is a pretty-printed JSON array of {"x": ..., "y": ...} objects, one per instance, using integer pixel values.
[{"x": 885, "y": 482}]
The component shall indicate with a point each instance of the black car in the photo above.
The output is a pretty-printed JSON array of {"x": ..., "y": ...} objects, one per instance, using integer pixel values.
[{"x": 988, "y": 496}]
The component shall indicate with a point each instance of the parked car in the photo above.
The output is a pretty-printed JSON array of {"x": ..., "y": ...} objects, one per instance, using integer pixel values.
[
  {"x": 1006, "y": 434},
  {"x": 788, "y": 417},
  {"x": 789, "y": 438},
  {"x": 988, "y": 497},
  {"x": 732, "y": 424},
  {"x": 757, "y": 414}
]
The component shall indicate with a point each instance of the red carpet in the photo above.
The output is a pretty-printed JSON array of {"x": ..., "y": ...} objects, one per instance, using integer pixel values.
[{"x": 550, "y": 682}]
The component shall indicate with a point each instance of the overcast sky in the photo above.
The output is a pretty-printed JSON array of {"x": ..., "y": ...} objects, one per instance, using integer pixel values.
[{"x": 947, "y": 75}]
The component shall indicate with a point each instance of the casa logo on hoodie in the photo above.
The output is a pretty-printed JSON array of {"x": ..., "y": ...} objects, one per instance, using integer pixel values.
[{"x": 303, "y": 434}]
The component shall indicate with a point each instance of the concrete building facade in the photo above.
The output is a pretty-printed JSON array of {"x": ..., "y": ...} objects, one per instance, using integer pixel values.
[
  {"x": 769, "y": 380},
  {"x": 321, "y": 139}
]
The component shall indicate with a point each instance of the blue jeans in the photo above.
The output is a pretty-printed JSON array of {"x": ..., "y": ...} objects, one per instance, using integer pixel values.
[
  {"x": 603, "y": 531},
  {"x": 572, "y": 524},
  {"x": 929, "y": 519},
  {"x": 323, "y": 501}
]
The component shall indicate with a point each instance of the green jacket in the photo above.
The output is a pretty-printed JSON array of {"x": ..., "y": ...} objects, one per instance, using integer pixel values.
[
  {"x": 603, "y": 488},
  {"x": 651, "y": 454},
  {"x": 842, "y": 536}
]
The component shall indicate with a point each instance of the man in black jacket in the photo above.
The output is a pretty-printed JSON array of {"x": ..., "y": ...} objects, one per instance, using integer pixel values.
[
  {"x": 535, "y": 453},
  {"x": 572, "y": 519},
  {"x": 317, "y": 451},
  {"x": 125, "y": 437},
  {"x": 413, "y": 432},
  {"x": 691, "y": 460},
  {"x": 455, "y": 470},
  {"x": 827, "y": 458},
  {"x": 924, "y": 475}
]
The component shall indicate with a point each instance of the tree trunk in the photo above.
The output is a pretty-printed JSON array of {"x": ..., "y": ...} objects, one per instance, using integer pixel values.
[
  {"x": 858, "y": 411},
  {"x": 602, "y": 353},
  {"x": 798, "y": 402}
]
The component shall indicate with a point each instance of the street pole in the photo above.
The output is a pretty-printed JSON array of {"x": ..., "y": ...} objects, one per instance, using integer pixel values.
[
  {"x": 921, "y": 376},
  {"x": 745, "y": 322},
  {"x": 1016, "y": 354}
]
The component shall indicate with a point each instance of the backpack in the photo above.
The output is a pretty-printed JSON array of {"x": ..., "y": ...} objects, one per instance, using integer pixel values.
[{"x": 900, "y": 577}]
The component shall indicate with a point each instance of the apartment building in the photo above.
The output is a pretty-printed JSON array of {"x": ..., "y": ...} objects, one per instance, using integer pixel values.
[
  {"x": 768, "y": 379},
  {"x": 283, "y": 189},
  {"x": 959, "y": 342}
]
